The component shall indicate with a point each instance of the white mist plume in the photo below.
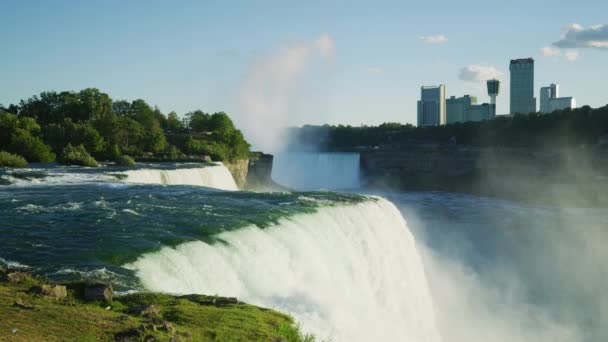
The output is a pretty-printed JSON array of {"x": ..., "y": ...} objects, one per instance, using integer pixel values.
[{"x": 271, "y": 83}]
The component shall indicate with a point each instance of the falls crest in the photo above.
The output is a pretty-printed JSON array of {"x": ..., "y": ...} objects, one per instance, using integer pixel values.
[
  {"x": 215, "y": 176},
  {"x": 314, "y": 171},
  {"x": 349, "y": 272}
]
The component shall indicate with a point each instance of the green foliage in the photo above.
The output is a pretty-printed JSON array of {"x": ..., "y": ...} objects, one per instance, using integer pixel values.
[
  {"x": 77, "y": 155},
  {"x": 19, "y": 135},
  {"x": 60, "y": 134},
  {"x": 581, "y": 126},
  {"x": 293, "y": 333},
  {"x": 125, "y": 160},
  {"x": 107, "y": 129},
  {"x": 32, "y": 148},
  {"x": 174, "y": 125},
  {"x": 11, "y": 160}
]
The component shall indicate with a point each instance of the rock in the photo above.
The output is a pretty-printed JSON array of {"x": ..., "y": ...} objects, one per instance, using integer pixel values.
[
  {"x": 225, "y": 300},
  {"x": 145, "y": 310},
  {"x": 168, "y": 326},
  {"x": 128, "y": 335},
  {"x": 98, "y": 291},
  {"x": 209, "y": 300},
  {"x": 15, "y": 276},
  {"x": 20, "y": 304},
  {"x": 53, "y": 291}
]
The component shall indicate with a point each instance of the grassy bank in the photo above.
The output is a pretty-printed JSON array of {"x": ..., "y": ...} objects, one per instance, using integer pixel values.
[{"x": 28, "y": 316}]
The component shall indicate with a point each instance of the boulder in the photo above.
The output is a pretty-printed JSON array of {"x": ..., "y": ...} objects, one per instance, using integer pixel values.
[
  {"x": 14, "y": 276},
  {"x": 128, "y": 335},
  {"x": 168, "y": 327},
  {"x": 98, "y": 291},
  {"x": 53, "y": 291},
  {"x": 145, "y": 310}
]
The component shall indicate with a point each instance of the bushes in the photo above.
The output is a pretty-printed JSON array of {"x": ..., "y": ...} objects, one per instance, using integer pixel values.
[
  {"x": 125, "y": 160},
  {"x": 30, "y": 147},
  {"x": 11, "y": 160},
  {"x": 77, "y": 155}
]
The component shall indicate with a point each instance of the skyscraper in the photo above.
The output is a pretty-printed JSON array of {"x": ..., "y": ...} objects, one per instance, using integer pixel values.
[
  {"x": 522, "y": 86},
  {"x": 431, "y": 107}
]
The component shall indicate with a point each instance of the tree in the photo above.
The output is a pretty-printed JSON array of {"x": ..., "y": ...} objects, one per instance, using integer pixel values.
[
  {"x": 30, "y": 147},
  {"x": 174, "y": 125}
]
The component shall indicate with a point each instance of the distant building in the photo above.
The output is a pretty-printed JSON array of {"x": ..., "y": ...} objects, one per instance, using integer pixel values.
[
  {"x": 431, "y": 107},
  {"x": 463, "y": 109},
  {"x": 493, "y": 88},
  {"x": 522, "y": 86},
  {"x": 560, "y": 103},
  {"x": 457, "y": 109},
  {"x": 550, "y": 100}
]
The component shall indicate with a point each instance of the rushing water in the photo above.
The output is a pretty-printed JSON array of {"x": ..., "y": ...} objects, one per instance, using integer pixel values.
[
  {"x": 347, "y": 266},
  {"x": 317, "y": 170}
]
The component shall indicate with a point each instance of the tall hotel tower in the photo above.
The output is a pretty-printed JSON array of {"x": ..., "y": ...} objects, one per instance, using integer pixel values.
[
  {"x": 522, "y": 86},
  {"x": 431, "y": 107}
]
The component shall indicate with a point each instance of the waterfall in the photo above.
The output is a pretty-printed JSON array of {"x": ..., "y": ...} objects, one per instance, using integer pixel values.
[
  {"x": 347, "y": 272},
  {"x": 216, "y": 176},
  {"x": 314, "y": 171}
]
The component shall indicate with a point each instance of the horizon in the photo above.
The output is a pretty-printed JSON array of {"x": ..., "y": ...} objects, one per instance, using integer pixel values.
[{"x": 335, "y": 71}]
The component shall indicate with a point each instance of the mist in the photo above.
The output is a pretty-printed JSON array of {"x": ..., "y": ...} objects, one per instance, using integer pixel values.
[
  {"x": 271, "y": 86},
  {"x": 505, "y": 271}
]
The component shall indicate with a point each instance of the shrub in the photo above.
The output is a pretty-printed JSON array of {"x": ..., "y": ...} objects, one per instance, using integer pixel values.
[
  {"x": 11, "y": 160},
  {"x": 125, "y": 160},
  {"x": 77, "y": 155},
  {"x": 30, "y": 147}
]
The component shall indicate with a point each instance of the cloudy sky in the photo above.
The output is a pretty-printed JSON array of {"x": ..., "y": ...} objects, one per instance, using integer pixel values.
[{"x": 291, "y": 63}]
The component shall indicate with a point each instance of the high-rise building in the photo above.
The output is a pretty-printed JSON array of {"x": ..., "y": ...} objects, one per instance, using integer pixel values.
[
  {"x": 522, "y": 86},
  {"x": 493, "y": 88},
  {"x": 458, "y": 108},
  {"x": 431, "y": 107},
  {"x": 463, "y": 109},
  {"x": 550, "y": 100}
]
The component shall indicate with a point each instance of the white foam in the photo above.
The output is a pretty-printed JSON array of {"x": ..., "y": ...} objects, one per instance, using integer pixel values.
[
  {"x": 215, "y": 176},
  {"x": 349, "y": 273}
]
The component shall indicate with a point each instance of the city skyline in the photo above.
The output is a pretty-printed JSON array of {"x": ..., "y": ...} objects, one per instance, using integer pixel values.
[{"x": 312, "y": 63}]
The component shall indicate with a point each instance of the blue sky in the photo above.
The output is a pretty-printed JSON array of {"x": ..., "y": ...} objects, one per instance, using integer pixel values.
[{"x": 354, "y": 62}]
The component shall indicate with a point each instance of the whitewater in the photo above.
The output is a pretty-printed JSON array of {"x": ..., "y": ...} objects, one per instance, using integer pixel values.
[
  {"x": 215, "y": 176},
  {"x": 346, "y": 272}
]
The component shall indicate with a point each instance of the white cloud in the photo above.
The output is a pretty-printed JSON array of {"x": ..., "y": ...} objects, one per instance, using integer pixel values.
[
  {"x": 478, "y": 73},
  {"x": 577, "y": 36},
  {"x": 436, "y": 39},
  {"x": 571, "y": 55},
  {"x": 326, "y": 45},
  {"x": 550, "y": 51}
]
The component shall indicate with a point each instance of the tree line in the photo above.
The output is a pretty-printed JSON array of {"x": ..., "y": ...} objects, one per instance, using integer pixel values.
[
  {"x": 565, "y": 128},
  {"x": 45, "y": 127}
]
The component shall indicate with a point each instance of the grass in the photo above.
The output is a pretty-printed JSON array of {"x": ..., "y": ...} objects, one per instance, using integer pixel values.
[{"x": 193, "y": 318}]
